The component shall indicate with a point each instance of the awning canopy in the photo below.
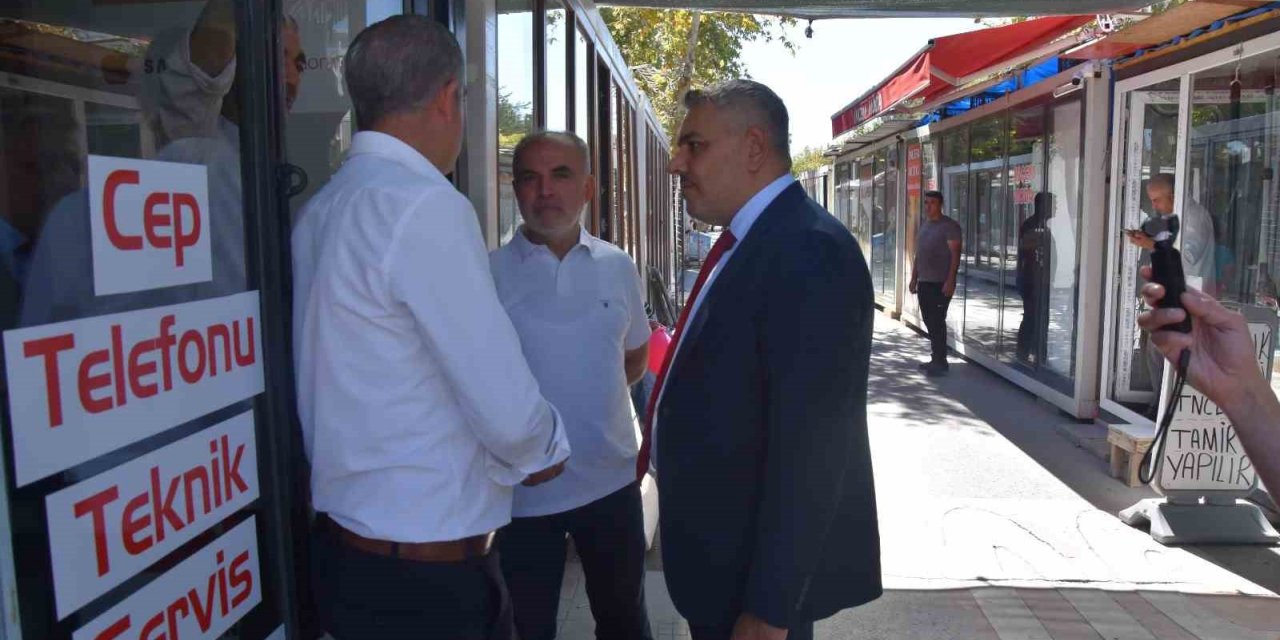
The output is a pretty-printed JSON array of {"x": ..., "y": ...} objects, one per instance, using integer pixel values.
[
  {"x": 815, "y": 9},
  {"x": 871, "y": 132},
  {"x": 1175, "y": 22},
  {"x": 949, "y": 62}
]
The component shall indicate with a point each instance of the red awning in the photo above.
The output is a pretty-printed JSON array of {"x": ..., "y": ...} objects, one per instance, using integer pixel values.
[{"x": 956, "y": 60}]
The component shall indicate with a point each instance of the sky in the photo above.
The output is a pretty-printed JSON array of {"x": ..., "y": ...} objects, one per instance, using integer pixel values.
[{"x": 842, "y": 61}]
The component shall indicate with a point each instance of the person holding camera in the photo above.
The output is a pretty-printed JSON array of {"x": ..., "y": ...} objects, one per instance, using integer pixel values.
[{"x": 1223, "y": 366}]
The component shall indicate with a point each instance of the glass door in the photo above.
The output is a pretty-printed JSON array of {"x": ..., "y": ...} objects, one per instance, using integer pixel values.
[
  {"x": 143, "y": 493},
  {"x": 1151, "y": 121}
]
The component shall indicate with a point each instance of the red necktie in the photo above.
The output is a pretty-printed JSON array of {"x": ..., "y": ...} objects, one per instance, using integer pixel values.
[{"x": 723, "y": 244}]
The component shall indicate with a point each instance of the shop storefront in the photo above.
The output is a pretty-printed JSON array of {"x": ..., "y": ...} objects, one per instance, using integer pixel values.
[
  {"x": 1016, "y": 168},
  {"x": 1012, "y": 174},
  {"x": 1196, "y": 134},
  {"x": 867, "y": 194},
  {"x": 153, "y": 157}
]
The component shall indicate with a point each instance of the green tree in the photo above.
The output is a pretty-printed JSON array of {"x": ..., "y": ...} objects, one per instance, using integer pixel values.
[
  {"x": 515, "y": 119},
  {"x": 655, "y": 44},
  {"x": 808, "y": 159}
]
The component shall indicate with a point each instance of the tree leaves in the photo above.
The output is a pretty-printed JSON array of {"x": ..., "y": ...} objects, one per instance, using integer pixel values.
[
  {"x": 808, "y": 159},
  {"x": 654, "y": 43}
]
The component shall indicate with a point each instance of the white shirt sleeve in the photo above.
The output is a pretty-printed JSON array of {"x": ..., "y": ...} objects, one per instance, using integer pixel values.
[
  {"x": 638, "y": 331},
  {"x": 438, "y": 268}
]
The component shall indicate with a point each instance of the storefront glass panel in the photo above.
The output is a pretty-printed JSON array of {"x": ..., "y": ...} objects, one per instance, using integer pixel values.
[
  {"x": 1026, "y": 251},
  {"x": 985, "y": 235},
  {"x": 884, "y": 238},
  {"x": 844, "y": 193},
  {"x": 581, "y": 89},
  {"x": 1061, "y": 231},
  {"x": 954, "y": 179},
  {"x": 1231, "y": 199},
  {"x": 557, "y": 61},
  {"x": 862, "y": 214},
  {"x": 1150, "y": 148},
  {"x": 515, "y": 101},
  {"x": 123, "y": 217}
]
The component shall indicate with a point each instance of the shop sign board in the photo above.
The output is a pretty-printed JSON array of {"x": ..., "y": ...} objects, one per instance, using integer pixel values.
[
  {"x": 106, "y": 529},
  {"x": 149, "y": 223},
  {"x": 198, "y": 599},
  {"x": 1202, "y": 454},
  {"x": 83, "y": 388}
]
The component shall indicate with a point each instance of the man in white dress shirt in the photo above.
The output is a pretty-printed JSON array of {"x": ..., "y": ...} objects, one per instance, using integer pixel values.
[
  {"x": 419, "y": 413},
  {"x": 577, "y": 305}
]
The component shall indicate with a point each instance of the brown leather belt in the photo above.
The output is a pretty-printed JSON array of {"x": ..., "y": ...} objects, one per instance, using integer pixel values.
[{"x": 444, "y": 551}]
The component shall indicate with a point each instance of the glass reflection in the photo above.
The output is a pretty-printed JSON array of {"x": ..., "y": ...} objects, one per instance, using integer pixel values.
[
  {"x": 515, "y": 101},
  {"x": 557, "y": 61},
  {"x": 1150, "y": 150},
  {"x": 582, "y": 64},
  {"x": 985, "y": 236},
  {"x": 1066, "y": 139},
  {"x": 1231, "y": 185},
  {"x": 955, "y": 192}
]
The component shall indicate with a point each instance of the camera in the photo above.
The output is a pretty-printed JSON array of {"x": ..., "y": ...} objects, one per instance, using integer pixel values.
[{"x": 1166, "y": 270}]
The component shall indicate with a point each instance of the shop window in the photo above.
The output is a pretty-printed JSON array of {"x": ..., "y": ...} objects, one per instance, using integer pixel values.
[
  {"x": 985, "y": 237},
  {"x": 862, "y": 213},
  {"x": 844, "y": 178},
  {"x": 1230, "y": 224},
  {"x": 556, "y": 37},
  {"x": 885, "y": 224},
  {"x": 1027, "y": 247},
  {"x": 954, "y": 183},
  {"x": 1066, "y": 151},
  {"x": 515, "y": 102},
  {"x": 136, "y": 109},
  {"x": 582, "y": 59}
]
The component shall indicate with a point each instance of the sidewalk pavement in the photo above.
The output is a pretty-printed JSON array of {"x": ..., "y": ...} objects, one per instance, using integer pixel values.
[{"x": 995, "y": 525}]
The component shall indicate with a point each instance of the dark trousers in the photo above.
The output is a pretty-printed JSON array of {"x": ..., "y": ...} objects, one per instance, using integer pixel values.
[
  {"x": 933, "y": 310},
  {"x": 802, "y": 631},
  {"x": 609, "y": 537},
  {"x": 362, "y": 595}
]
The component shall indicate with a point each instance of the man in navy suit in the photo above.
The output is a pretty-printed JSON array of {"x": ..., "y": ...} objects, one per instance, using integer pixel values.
[{"x": 759, "y": 421}]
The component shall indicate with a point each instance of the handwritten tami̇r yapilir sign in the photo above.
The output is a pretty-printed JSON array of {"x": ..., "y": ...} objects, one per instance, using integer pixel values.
[{"x": 1203, "y": 453}]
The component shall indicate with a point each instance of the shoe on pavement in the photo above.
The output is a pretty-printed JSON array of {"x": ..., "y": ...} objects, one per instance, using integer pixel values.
[
  {"x": 936, "y": 369},
  {"x": 923, "y": 365}
]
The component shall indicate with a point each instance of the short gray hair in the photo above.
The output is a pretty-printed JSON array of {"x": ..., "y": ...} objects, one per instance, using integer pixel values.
[
  {"x": 1163, "y": 181},
  {"x": 754, "y": 101},
  {"x": 399, "y": 64},
  {"x": 566, "y": 138}
]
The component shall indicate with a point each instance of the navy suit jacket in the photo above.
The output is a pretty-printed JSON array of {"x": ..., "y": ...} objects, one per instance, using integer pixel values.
[{"x": 764, "y": 469}]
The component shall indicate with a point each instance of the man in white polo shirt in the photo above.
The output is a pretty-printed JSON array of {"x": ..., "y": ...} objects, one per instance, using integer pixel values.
[{"x": 576, "y": 303}]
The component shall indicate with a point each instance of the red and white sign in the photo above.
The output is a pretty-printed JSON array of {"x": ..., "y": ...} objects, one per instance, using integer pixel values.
[
  {"x": 150, "y": 224},
  {"x": 200, "y": 598},
  {"x": 1024, "y": 173},
  {"x": 105, "y": 530},
  {"x": 86, "y": 387}
]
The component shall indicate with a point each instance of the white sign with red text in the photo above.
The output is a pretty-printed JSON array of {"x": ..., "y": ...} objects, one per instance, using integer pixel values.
[
  {"x": 86, "y": 387},
  {"x": 150, "y": 224},
  {"x": 105, "y": 530},
  {"x": 200, "y": 598}
]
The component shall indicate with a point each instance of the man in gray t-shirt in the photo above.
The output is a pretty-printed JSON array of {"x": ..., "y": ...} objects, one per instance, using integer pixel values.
[{"x": 933, "y": 276}]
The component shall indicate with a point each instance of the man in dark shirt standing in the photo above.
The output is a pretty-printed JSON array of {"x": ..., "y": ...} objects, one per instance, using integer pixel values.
[{"x": 933, "y": 276}]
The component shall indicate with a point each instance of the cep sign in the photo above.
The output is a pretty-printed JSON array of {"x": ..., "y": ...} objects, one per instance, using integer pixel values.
[{"x": 150, "y": 224}]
